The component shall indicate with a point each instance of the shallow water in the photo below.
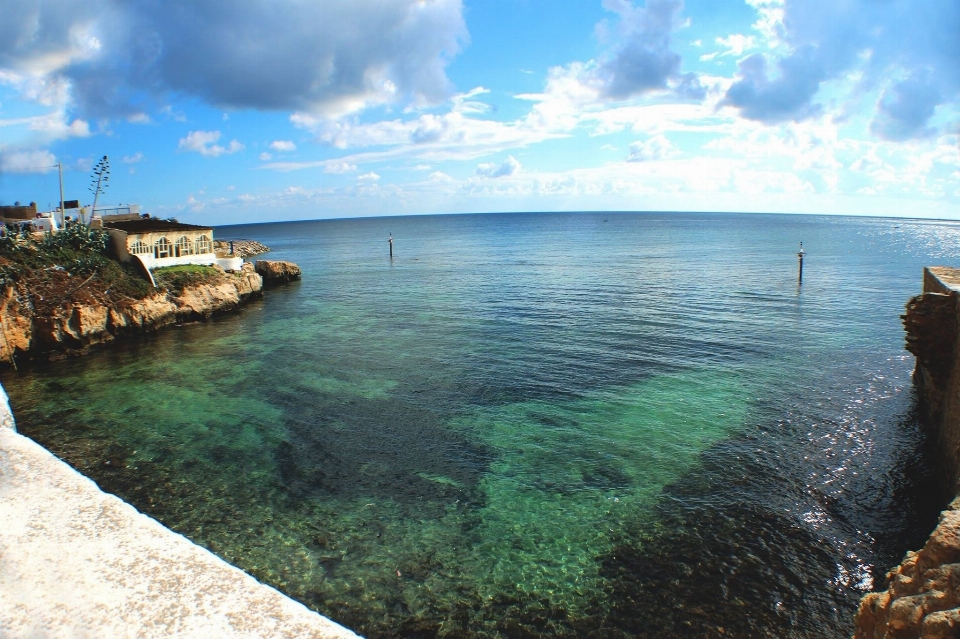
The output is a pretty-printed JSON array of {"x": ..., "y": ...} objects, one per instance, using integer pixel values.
[{"x": 535, "y": 425}]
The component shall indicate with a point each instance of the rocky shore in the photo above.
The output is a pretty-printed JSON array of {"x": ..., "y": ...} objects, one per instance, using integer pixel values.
[
  {"x": 276, "y": 272},
  {"x": 72, "y": 327},
  {"x": 922, "y": 596}
]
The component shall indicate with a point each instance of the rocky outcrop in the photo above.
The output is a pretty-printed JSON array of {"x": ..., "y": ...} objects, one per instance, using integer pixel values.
[
  {"x": 74, "y": 327},
  {"x": 277, "y": 272},
  {"x": 922, "y": 596}
]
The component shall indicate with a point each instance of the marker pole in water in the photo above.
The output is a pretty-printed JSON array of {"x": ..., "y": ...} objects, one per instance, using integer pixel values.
[
  {"x": 390, "y": 241},
  {"x": 800, "y": 258}
]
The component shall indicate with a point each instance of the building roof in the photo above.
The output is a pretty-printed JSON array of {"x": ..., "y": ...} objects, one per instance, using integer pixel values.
[{"x": 151, "y": 225}]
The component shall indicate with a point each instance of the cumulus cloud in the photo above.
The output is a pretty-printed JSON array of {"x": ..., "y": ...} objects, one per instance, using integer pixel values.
[
  {"x": 283, "y": 146},
  {"x": 133, "y": 159},
  {"x": 911, "y": 49},
  {"x": 368, "y": 177},
  {"x": 506, "y": 168},
  {"x": 656, "y": 148},
  {"x": 905, "y": 108},
  {"x": 784, "y": 95},
  {"x": 329, "y": 58},
  {"x": 27, "y": 161},
  {"x": 204, "y": 143},
  {"x": 644, "y": 61}
]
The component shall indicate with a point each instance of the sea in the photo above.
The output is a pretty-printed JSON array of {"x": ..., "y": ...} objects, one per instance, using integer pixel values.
[{"x": 536, "y": 425}]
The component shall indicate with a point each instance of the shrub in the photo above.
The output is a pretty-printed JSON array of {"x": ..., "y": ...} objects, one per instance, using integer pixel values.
[{"x": 78, "y": 237}]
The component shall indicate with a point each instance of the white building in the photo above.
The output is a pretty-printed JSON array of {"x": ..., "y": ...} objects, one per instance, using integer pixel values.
[{"x": 159, "y": 243}]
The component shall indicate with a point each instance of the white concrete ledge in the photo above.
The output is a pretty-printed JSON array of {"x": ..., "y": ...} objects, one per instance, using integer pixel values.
[{"x": 76, "y": 562}]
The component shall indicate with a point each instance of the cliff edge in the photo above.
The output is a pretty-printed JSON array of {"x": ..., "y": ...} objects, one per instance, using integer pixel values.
[
  {"x": 33, "y": 327},
  {"x": 922, "y": 599}
]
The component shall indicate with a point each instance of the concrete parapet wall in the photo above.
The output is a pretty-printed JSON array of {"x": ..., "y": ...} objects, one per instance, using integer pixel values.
[{"x": 77, "y": 562}]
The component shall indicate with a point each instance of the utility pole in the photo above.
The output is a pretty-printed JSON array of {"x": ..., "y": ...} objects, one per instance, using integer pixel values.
[{"x": 62, "y": 211}]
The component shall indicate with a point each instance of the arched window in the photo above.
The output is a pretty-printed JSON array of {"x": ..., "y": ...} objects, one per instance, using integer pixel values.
[
  {"x": 184, "y": 246},
  {"x": 162, "y": 248},
  {"x": 204, "y": 245},
  {"x": 140, "y": 248}
]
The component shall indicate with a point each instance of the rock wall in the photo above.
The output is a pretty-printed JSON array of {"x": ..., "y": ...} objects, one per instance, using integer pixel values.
[
  {"x": 72, "y": 328},
  {"x": 922, "y": 599}
]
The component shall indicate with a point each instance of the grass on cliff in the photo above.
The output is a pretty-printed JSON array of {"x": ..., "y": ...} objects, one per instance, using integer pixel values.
[
  {"x": 176, "y": 278},
  {"x": 72, "y": 265}
]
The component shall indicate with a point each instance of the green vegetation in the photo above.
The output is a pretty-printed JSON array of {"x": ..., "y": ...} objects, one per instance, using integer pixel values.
[
  {"x": 49, "y": 265},
  {"x": 176, "y": 278}
]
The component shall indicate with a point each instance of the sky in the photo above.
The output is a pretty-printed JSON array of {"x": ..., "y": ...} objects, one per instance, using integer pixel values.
[{"x": 220, "y": 112}]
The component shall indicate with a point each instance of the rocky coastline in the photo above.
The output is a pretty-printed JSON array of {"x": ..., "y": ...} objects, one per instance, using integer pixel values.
[
  {"x": 922, "y": 596},
  {"x": 73, "y": 327}
]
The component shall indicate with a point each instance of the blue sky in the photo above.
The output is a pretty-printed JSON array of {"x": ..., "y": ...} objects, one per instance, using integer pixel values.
[{"x": 223, "y": 112}]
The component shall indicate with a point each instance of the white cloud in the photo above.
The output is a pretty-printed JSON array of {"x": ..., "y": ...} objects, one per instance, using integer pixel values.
[
  {"x": 132, "y": 159},
  {"x": 283, "y": 146},
  {"x": 27, "y": 161},
  {"x": 203, "y": 142},
  {"x": 656, "y": 148},
  {"x": 507, "y": 168},
  {"x": 736, "y": 43},
  {"x": 368, "y": 177},
  {"x": 339, "y": 168},
  {"x": 110, "y": 57},
  {"x": 265, "y": 157}
]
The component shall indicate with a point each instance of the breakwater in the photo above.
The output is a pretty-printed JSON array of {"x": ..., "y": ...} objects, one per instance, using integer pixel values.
[
  {"x": 240, "y": 248},
  {"x": 922, "y": 596}
]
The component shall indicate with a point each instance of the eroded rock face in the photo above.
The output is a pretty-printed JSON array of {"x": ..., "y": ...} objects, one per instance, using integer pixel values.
[
  {"x": 277, "y": 271},
  {"x": 74, "y": 327},
  {"x": 922, "y": 600},
  {"x": 931, "y": 324}
]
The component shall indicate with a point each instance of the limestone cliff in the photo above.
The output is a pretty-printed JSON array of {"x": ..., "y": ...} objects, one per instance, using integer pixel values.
[
  {"x": 922, "y": 599},
  {"x": 74, "y": 326}
]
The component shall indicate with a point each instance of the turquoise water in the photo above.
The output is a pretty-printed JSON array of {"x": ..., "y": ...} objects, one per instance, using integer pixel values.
[{"x": 536, "y": 425}]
